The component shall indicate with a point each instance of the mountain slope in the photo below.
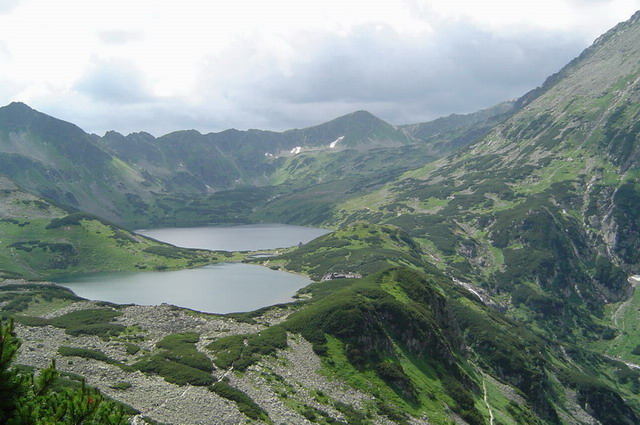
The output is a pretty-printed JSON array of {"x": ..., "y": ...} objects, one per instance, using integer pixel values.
[
  {"x": 41, "y": 240},
  {"x": 57, "y": 160},
  {"x": 141, "y": 180},
  {"x": 449, "y": 133},
  {"x": 544, "y": 207}
]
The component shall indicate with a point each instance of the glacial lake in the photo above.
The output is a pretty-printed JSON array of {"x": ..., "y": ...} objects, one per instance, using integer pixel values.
[
  {"x": 216, "y": 288},
  {"x": 250, "y": 237}
]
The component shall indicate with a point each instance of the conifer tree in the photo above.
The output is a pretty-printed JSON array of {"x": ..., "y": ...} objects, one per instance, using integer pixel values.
[{"x": 29, "y": 399}]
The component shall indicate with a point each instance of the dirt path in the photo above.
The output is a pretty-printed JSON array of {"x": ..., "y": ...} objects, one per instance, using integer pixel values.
[{"x": 484, "y": 389}]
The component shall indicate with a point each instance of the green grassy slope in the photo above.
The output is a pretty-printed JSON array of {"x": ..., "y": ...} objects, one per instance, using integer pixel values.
[{"x": 40, "y": 240}]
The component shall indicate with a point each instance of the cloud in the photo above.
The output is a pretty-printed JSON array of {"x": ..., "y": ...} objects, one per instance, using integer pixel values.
[
  {"x": 6, "y": 6},
  {"x": 114, "y": 82},
  {"x": 401, "y": 78},
  {"x": 283, "y": 64},
  {"x": 120, "y": 37}
]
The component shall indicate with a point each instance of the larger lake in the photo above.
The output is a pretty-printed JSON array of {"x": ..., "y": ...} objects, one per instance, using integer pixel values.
[{"x": 217, "y": 288}]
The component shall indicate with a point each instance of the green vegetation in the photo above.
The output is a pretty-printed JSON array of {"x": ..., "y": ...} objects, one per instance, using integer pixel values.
[
  {"x": 383, "y": 350},
  {"x": 27, "y": 298},
  {"x": 85, "y": 353},
  {"x": 121, "y": 386},
  {"x": 70, "y": 220},
  {"x": 47, "y": 399},
  {"x": 90, "y": 322},
  {"x": 241, "y": 351},
  {"x": 178, "y": 361},
  {"x": 132, "y": 349},
  {"x": 605, "y": 404},
  {"x": 92, "y": 354},
  {"x": 245, "y": 404},
  {"x": 82, "y": 322},
  {"x": 78, "y": 243},
  {"x": 360, "y": 248},
  {"x": 464, "y": 403}
]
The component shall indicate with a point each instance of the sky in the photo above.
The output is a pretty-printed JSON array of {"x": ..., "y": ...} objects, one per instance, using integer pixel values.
[{"x": 160, "y": 66}]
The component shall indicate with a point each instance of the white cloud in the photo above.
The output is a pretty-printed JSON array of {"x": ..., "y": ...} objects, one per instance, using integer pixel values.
[
  {"x": 158, "y": 65},
  {"x": 119, "y": 37},
  {"x": 113, "y": 81},
  {"x": 8, "y": 5}
]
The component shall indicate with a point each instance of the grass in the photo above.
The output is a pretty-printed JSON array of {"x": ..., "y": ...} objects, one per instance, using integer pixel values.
[
  {"x": 46, "y": 248},
  {"x": 245, "y": 404},
  {"x": 85, "y": 354},
  {"x": 361, "y": 248},
  {"x": 241, "y": 351},
  {"x": 31, "y": 299},
  {"x": 559, "y": 170},
  {"x": 90, "y": 322},
  {"x": 624, "y": 317},
  {"x": 390, "y": 308},
  {"x": 178, "y": 361},
  {"x": 97, "y": 322}
]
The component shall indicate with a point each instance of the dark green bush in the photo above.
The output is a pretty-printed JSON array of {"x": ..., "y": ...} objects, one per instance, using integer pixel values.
[
  {"x": 241, "y": 351},
  {"x": 84, "y": 353},
  {"x": 102, "y": 330},
  {"x": 604, "y": 403},
  {"x": 123, "y": 385},
  {"x": 172, "y": 371},
  {"x": 178, "y": 361},
  {"x": 168, "y": 251},
  {"x": 132, "y": 349},
  {"x": 70, "y": 220},
  {"x": 90, "y": 322},
  {"x": 245, "y": 404},
  {"x": 465, "y": 405}
]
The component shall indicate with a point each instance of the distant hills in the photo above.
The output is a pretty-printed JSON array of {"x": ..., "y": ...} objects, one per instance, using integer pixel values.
[{"x": 126, "y": 178}]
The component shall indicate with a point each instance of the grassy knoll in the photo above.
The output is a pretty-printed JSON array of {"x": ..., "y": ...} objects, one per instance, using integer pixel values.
[
  {"x": 361, "y": 248},
  {"x": 44, "y": 248}
]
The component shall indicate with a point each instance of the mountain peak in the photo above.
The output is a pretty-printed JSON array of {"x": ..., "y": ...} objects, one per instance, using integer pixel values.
[
  {"x": 17, "y": 109},
  {"x": 18, "y": 105},
  {"x": 360, "y": 116},
  {"x": 18, "y": 115}
]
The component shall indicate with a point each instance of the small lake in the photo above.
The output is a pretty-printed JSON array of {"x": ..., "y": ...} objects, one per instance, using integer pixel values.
[
  {"x": 217, "y": 288},
  {"x": 251, "y": 237}
]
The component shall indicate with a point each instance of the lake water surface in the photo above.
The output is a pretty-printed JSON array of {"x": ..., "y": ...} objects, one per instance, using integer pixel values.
[
  {"x": 249, "y": 237},
  {"x": 217, "y": 288}
]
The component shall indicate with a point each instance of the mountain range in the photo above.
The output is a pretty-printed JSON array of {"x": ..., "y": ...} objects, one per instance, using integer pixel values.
[{"x": 497, "y": 248}]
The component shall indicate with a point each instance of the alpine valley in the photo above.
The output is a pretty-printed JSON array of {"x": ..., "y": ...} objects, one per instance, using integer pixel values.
[{"x": 499, "y": 252}]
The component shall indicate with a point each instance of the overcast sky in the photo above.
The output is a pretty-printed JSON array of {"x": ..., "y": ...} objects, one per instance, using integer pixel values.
[{"x": 159, "y": 66}]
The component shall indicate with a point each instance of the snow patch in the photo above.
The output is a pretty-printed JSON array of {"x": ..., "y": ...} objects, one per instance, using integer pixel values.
[
  {"x": 296, "y": 150},
  {"x": 267, "y": 154},
  {"x": 335, "y": 142}
]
